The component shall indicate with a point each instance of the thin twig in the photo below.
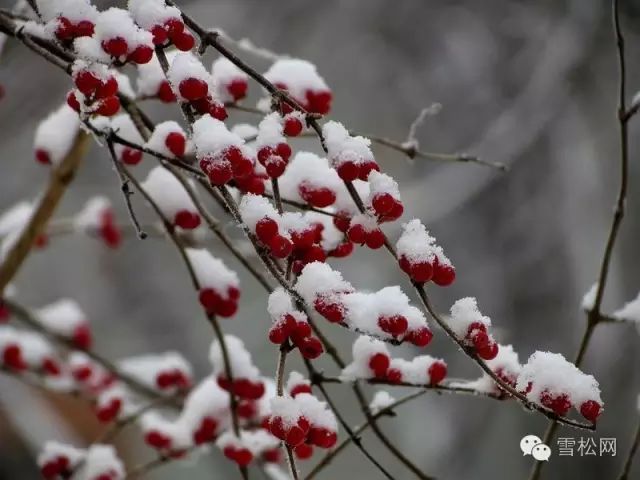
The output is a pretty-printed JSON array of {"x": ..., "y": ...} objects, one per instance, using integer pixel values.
[{"x": 626, "y": 468}]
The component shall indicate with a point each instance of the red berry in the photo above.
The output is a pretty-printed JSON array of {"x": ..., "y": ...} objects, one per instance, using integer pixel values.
[
  {"x": 379, "y": 363},
  {"x": 111, "y": 235},
  {"x": 421, "y": 337},
  {"x": 65, "y": 30},
  {"x": 334, "y": 312},
  {"x": 348, "y": 170},
  {"x": 72, "y": 101},
  {"x": 157, "y": 440},
  {"x": 394, "y": 376},
  {"x": 295, "y": 436},
  {"x": 108, "y": 88},
  {"x": 116, "y": 47},
  {"x": 341, "y": 221},
  {"x": 357, "y": 234},
  {"x": 82, "y": 337},
  {"x": 217, "y": 111},
  {"x": 42, "y": 156},
  {"x": 300, "y": 330},
  {"x": 130, "y": 156},
  {"x": 283, "y": 150},
  {"x": 264, "y": 153},
  {"x": 278, "y": 334},
  {"x": 165, "y": 92},
  {"x": 394, "y": 325},
  {"x": 108, "y": 106},
  {"x": 183, "y": 41},
  {"x": 382, "y": 203},
  {"x": 272, "y": 455},
  {"x": 164, "y": 380},
  {"x": 206, "y": 431},
  {"x": 437, "y": 371},
  {"x": 280, "y": 246},
  {"x": 160, "y": 35},
  {"x": 317, "y": 197},
  {"x": 488, "y": 352},
  {"x": 315, "y": 253},
  {"x": 560, "y": 403},
  {"x": 318, "y": 101},
  {"x": 141, "y": 54},
  {"x": 590, "y": 410},
  {"x": 443, "y": 274},
  {"x": 374, "y": 239},
  {"x": 310, "y": 347},
  {"x": 238, "y": 89},
  {"x": 266, "y": 229},
  {"x": 303, "y": 451},
  {"x": 174, "y": 26},
  {"x": 84, "y": 28},
  {"x": 51, "y": 367},
  {"x": 292, "y": 126},
  {"x": 300, "y": 388},
  {"x": 342, "y": 250},
  {"x": 365, "y": 168},
  {"x": 193, "y": 88},
  {"x": 219, "y": 173},
  {"x": 86, "y": 82},
  {"x": 108, "y": 412},
  {"x": 176, "y": 143},
  {"x": 275, "y": 166},
  {"x": 421, "y": 272},
  {"x": 322, "y": 437},
  {"x": 187, "y": 220}
]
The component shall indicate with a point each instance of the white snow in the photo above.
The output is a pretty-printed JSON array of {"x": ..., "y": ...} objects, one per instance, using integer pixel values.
[
  {"x": 241, "y": 363},
  {"x": 56, "y": 133},
  {"x": 381, "y": 400},
  {"x": 211, "y": 271},
  {"x": 63, "y": 316},
  {"x": 168, "y": 193},
  {"x": 464, "y": 312}
]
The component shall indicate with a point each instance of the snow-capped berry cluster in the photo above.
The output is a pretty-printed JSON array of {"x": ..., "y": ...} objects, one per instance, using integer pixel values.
[
  {"x": 89, "y": 375},
  {"x": 55, "y": 135},
  {"x": 219, "y": 286},
  {"x": 193, "y": 84},
  {"x": 231, "y": 82},
  {"x": 97, "y": 218},
  {"x": 309, "y": 178},
  {"x": 152, "y": 82},
  {"x": 163, "y": 21},
  {"x": 172, "y": 198},
  {"x": 25, "y": 350},
  {"x": 247, "y": 383},
  {"x": 12, "y": 222},
  {"x": 69, "y": 19},
  {"x": 272, "y": 147},
  {"x": 371, "y": 360},
  {"x": 110, "y": 403},
  {"x": 333, "y": 241},
  {"x": 386, "y": 313},
  {"x": 384, "y": 197},
  {"x": 124, "y": 127},
  {"x": 166, "y": 372},
  {"x": 222, "y": 154},
  {"x": 249, "y": 445},
  {"x": 296, "y": 384},
  {"x": 302, "y": 81},
  {"x": 291, "y": 324},
  {"x": 364, "y": 230},
  {"x": 168, "y": 138},
  {"x": 420, "y": 257},
  {"x": 121, "y": 39},
  {"x": 264, "y": 221},
  {"x": 303, "y": 419},
  {"x": 66, "y": 318},
  {"x": 350, "y": 156},
  {"x": 471, "y": 327},
  {"x": 58, "y": 460},
  {"x": 548, "y": 379},
  {"x": 96, "y": 89}
]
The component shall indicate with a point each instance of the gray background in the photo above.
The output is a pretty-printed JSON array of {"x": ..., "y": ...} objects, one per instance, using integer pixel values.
[{"x": 529, "y": 84}]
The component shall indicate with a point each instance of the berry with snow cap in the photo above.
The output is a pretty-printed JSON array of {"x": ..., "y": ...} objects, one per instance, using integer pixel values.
[
  {"x": 97, "y": 218},
  {"x": 69, "y": 19},
  {"x": 219, "y": 286},
  {"x": 57, "y": 460},
  {"x": 169, "y": 139},
  {"x": 309, "y": 178},
  {"x": 172, "y": 198},
  {"x": 247, "y": 382},
  {"x": 193, "y": 84},
  {"x": 271, "y": 145},
  {"x": 471, "y": 327},
  {"x": 420, "y": 257},
  {"x": 66, "y": 318},
  {"x": 121, "y": 38},
  {"x": 262, "y": 219},
  {"x": 350, "y": 156},
  {"x": 231, "y": 82},
  {"x": 384, "y": 197},
  {"x": 364, "y": 230},
  {"x": 302, "y": 81},
  {"x": 55, "y": 135},
  {"x": 164, "y": 22}
]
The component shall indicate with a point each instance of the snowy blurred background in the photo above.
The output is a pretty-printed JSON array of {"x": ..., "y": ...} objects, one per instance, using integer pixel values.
[{"x": 528, "y": 84}]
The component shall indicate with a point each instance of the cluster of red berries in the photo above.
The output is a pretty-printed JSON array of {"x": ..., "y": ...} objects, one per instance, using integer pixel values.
[
  {"x": 244, "y": 388},
  {"x": 296, "y": 328},
  {"x": 237, "y": 88},
  {"x": 350, "y": 169},
  {"x": 386, "y": 207},
  {"x": 268, "y": 232},
  {"x": 98, "y": 95},
  {"x": 172, "y": 378},
  {"x": 108, "y": 410},
  {"x": 483, "y": 343},
  {"x": 300, "y": 432},
  {"x": 560, "y": 403},
  {"x": 67, "y": 31},
  {"x": 238, "y": 454},
  {"x": 224, "y": 304},
  {"x": 422, "y": 271},
  {"x": 366, "y": 233},
  {"x": 274, "y": 158},
  {"x": 316, "y": 101},
  {"x": 196, "y": 92},
  {"x": 316, "y": 196},
  {"x": 118, "y": 48},
  {"x": 12, "y": 357},
  {"x": 58, "y": 466},
  {"x": 230, "y": 163},
  {"x": 173, "y": 31},
  {"x": 252, "y": 183}
]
